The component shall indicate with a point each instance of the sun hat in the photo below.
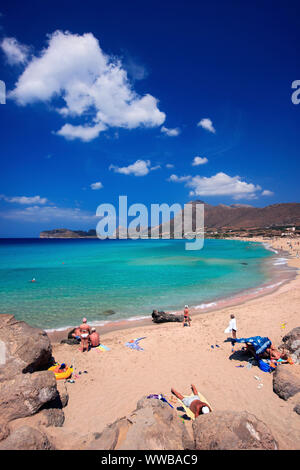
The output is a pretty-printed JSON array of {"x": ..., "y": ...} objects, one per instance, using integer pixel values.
[{"x": 205, "y": 410}]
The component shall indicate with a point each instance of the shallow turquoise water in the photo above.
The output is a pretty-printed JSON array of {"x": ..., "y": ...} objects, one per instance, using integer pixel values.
[{"x": 76, "y": 278}]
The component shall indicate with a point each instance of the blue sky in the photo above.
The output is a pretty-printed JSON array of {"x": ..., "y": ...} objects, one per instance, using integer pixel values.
[{"x": 164, "y": 102}]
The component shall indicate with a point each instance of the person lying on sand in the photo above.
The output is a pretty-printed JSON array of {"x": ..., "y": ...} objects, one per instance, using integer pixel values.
[
  {"x": 193, "y": 402},
  {"x": 94, "y": 338},
  {"x": 84, "y": 335}
]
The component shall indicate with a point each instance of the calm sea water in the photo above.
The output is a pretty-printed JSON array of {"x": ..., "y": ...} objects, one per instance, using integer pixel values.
[{"x": 76, "y": 278}]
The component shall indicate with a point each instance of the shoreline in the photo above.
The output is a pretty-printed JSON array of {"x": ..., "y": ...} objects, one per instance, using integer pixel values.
[{"x": 239, "y": 298}]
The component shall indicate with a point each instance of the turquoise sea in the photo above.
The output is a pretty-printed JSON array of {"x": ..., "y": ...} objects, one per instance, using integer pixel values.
[{"x": 76, "y": 278}]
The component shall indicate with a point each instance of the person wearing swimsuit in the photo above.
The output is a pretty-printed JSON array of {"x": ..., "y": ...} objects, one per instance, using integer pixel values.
[
  {"x": 186, "y": 317},
  {"x": 193, "y": 402},
  {"x": 84, "y": 335}
]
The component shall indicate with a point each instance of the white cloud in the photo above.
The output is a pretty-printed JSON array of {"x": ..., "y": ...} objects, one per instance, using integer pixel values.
[
  {"x": 178, "y": 179},
  {"x": 222, "y": 184},
  {"x": 15, "y": 52},
  {"x": 97, "y": 185},
  {"x": 89, "y": 82},
  {"x": 139, "y": 168},
  {"x": 199, "y": 161},
  {"x": 49, "y": 214},
  {"x": 24, "y": 199},
  {"x": 207, "y": 124},
  {"x": 84, "y": 133},
  {"x": 170, "y": 132},
  {"x": 266, "y": 192}
]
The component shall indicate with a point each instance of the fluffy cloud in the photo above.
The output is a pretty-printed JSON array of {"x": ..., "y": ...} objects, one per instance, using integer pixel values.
[
  {"x": 207, "y": 124},
  {"x": 97, "y": 185},
  {"x": 74, "y": 69},
  {"x": 222, "y": 184},
  {"x": 24, "y": 199},
  {"x": 178, "y": 179},
  {"x": 15, "y": 52},
  {"x": 170, "y": 165},
  {"x": 266, "y": 192},
  {"x": 199, "y": 161},
  {"x": 139, "y": 168},
  {"x": 170, "y": 132}
]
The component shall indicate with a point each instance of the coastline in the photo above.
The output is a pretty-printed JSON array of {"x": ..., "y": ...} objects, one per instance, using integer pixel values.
[{"x": 238, "y": 298}]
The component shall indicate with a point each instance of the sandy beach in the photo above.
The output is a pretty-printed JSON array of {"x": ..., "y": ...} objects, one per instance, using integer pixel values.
[{"x": 174, "y": 356}]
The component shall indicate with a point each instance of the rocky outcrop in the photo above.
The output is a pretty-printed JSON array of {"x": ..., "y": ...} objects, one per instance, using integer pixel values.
[
  {"x": 228, "y": 430},
  {"x": 26, "y": 438},
  {"x": 23, "y": 348},
  {"x": 291, "y": 342},
  {"x": 152, "y": 426},
  {"x": 156, "y": 426},
  {"x": 286, "y": 381},
  {"x": 26, "y": 386},
  {"x": 163, "y": 317}
]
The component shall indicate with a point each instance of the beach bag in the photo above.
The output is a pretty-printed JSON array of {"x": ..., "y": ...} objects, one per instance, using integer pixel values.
[{"x": 264, "y": 366}]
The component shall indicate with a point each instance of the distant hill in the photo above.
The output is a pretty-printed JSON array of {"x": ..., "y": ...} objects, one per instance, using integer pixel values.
[
  {"x": 221, "y": 217},
  {"x": 66, "y": 233}
]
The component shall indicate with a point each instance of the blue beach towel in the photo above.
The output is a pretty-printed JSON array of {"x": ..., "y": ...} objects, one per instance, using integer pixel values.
[
  {"x": 134, "y": 344},
  {"x": 259, "y": 343}
]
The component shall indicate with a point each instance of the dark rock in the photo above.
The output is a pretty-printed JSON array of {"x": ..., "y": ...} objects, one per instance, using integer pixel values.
[
  {"x": 163, "y": 317},
  {"x": 286, "y": 381},
  {"x": 153, "y": 425},
  {"x": 291, "y": 342},
  {"x": 228, "y": 430},
  {"x": 26, "y": 438},
  {"x": 108, "y": 312}
]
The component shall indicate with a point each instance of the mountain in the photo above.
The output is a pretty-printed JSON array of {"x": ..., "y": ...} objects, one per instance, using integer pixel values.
[{"x": 223, "y": 217}]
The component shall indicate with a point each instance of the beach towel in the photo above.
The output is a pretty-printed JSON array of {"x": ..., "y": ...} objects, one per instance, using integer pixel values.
[
  {"x": 101, "y": 347},
  {"x": 259, "y": 343},
  {"x": 187, "y": 410},
  {"x": 134, "y": 344}
]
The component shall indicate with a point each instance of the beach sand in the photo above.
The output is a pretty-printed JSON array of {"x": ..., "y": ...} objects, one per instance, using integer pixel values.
[{"x": 174, "y": 356}]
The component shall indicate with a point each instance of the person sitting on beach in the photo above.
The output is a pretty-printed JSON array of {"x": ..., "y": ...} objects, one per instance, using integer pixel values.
[
  {"x": 274, "y": 355},
  {"x": 186, "y": 316},
  {"x": 94, "y": 338},
  {"x": 84, "y": 335},
  {"x": 76, "y": 333},
  {"x": 193, "y": 402}
]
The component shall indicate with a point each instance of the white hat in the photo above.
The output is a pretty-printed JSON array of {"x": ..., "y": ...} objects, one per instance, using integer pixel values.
[
  {"x": 205, "y": 410},
  {"x": 186, "y": 306}
]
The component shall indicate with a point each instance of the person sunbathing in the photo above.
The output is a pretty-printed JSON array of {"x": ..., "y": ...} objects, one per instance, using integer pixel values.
[{"x": 193, "y": 402}]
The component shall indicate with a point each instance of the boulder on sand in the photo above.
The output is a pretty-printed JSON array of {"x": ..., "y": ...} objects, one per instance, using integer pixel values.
[
  {"x": 23, "y": 348},
  {"x": 286, "y": 381},
  {"x": 154, "y": 425},
  {"x": 26, "y": 438},
  {"x": 163, "y": 317},
  {"x": 291, "y": 342},
  {"x": 228, "y": 430}
]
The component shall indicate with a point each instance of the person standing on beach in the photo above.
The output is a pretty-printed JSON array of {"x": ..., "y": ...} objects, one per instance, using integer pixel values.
[
  {"x": 186, "y": 316},
  {"x": 85, "y": 331},
  {"x": 232, "y": 329}
]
